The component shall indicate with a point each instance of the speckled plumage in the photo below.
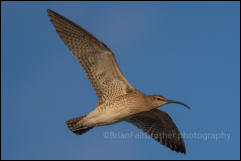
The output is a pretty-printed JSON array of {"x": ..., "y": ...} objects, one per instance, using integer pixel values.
[{"x": 117, "y": 99}]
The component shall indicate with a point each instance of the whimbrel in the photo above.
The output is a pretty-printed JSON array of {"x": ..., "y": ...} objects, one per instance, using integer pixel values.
[{"x": 118, "y": 100}]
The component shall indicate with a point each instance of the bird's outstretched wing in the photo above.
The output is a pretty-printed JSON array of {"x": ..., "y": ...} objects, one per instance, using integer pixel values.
[
  {"x": 95, "y": 57},
  {"x": 159, "y": 125}
]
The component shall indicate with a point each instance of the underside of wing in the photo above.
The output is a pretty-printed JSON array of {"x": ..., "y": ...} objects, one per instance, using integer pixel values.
[
  {"x": 95, "y": 57},
  {"x": 159, "y": 125}
]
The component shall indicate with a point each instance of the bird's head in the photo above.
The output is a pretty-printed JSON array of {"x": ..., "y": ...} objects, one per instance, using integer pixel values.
[{"x": 158, "y": 101}]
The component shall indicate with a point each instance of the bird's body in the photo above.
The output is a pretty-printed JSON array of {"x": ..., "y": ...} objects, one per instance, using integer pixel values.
[
  {"x": 118, "y": 100},
  {"x": 117, "y": 109}
]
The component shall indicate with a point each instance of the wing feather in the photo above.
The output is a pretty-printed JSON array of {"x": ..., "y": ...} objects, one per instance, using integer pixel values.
[
  {"x": 95, "y": 57},
  {"x": 159, "y": 125}
]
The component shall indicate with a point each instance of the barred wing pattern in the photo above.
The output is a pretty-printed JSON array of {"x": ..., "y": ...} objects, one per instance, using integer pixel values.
[
  {"x": 159, "y": 125},
  {"x": 95, "y": 57}
]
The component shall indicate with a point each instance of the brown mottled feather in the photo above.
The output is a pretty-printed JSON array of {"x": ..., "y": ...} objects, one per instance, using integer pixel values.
[
  {"x": 159, "y": 125},
  {"x": 96, "y": 58}
]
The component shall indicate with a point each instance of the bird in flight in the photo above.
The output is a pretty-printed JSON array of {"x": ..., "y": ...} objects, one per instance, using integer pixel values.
[{"x": 118, "y": 100}]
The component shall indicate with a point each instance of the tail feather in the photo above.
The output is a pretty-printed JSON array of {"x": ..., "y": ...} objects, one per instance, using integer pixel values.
[{"x": 76, "y": 128}]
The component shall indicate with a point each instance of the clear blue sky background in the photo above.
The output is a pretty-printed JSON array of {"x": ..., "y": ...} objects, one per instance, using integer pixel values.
[{"x": 188, "y": 51}]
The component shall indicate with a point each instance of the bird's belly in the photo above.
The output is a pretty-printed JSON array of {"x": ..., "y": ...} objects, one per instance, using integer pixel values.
[
  {"x": 110, "y": 116},
  {"x": 115, "y": 110}
]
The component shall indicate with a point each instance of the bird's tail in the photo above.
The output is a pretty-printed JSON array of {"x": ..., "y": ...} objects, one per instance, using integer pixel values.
[{"x": 76, "y": 128}]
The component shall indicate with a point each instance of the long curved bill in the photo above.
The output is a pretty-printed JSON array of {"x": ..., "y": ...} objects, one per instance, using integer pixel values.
[{"x": 178, "y": 102}]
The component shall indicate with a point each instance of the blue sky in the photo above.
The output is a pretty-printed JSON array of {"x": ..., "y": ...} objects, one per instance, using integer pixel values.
[{"x": 188, "y": 51}]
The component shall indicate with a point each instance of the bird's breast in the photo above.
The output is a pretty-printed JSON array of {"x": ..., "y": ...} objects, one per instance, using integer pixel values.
[{"x": 116, "y": 110}]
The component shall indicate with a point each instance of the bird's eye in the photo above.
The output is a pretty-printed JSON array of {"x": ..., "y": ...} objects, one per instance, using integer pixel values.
[{"x": 159, "y": 99}]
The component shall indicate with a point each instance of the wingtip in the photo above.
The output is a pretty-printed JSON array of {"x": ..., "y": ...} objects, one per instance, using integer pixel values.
[
  {"x": 184, "y": 152},
  {"x": 51, "y": 12}
]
